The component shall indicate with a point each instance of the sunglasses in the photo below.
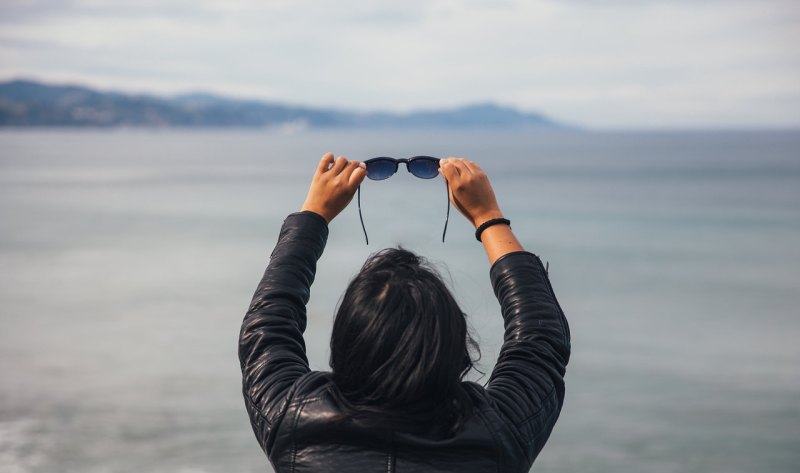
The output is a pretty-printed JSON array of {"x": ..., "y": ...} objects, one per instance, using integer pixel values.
[{"x": 423, "y": 167}]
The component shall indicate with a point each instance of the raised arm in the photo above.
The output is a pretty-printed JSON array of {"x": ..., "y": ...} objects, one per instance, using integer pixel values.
[
  {"x": 527, "y": 383},
  {"x": 271, "y": 348}
]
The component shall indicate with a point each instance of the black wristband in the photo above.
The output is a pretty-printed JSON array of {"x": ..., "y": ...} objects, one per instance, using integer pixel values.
[{"x": 488, "y": 224}]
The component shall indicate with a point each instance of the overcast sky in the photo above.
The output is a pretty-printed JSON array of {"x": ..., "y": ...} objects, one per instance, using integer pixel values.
[{"x": 599, "y": 63}]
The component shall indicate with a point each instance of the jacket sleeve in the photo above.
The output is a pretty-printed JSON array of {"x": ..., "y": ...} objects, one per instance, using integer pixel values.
[
  {"x": 272, "y": 352},
  {"x": 527, "y": 383}
]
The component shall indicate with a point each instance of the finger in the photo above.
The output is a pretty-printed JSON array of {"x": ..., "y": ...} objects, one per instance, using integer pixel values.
[
  {"x": 460, "y": 165},
  {"x": 349, "y": 167},
  {"x": 339, "y": 165},
  {"x": 358, "y": 175},
  {"x": 325, "y": 163},
  {"x": 465, "y": 166},
  {"x": 449, "y": 170},
  {"x": 473, "y": 167}
]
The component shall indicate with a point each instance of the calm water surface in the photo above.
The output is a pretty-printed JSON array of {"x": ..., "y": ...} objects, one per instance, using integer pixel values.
[{"x": 128, "y": 258}]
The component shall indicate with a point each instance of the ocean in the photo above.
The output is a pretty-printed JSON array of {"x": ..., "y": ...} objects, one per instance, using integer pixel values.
[{"x": 128, "y": 259}]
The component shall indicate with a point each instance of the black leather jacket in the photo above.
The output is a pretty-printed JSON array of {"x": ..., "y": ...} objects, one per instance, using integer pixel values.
[{"x": 295, "y": 418}]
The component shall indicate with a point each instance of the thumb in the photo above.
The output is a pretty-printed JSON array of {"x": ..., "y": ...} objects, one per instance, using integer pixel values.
[{"x": 447, "y": 170}]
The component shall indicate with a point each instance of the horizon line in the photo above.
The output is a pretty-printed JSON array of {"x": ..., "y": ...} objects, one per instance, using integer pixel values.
[{"x": 570, "y": 126}]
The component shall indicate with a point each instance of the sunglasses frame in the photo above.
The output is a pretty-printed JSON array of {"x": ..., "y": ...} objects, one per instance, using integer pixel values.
[
  {"x": 408, "y": 162},
  {"x": 396, "y": 163}
]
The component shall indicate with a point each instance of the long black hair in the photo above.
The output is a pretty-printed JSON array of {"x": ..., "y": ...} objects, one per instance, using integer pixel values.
[{"x": 400, "y": 346}]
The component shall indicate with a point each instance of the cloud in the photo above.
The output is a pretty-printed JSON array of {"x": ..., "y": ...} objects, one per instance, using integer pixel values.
[{"x": 603, "y": 63}]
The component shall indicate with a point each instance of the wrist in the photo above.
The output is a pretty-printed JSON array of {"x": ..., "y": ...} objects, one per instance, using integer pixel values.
[
  {"x": 319, "y": 212},
  {"x": 485, "y": 217},
  {"x": 491, "y": 224}
]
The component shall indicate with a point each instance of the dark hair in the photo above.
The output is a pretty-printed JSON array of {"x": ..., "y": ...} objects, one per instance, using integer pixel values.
[{"x": 400, "y": 346}]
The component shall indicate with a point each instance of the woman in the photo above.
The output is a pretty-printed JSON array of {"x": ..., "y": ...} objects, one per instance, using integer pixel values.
[{"x": 394, "y": 400}]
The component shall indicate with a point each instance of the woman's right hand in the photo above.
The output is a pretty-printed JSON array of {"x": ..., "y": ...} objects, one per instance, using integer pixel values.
[
  {"x": 470, "y": 190},
  {"x": 472, "y": 194}
]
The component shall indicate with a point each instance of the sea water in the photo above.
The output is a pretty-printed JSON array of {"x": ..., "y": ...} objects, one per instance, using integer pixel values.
[{"x": 128, "y": 258}]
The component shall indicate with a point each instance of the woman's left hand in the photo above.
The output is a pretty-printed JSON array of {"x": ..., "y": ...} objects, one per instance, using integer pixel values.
[{"x": 333, "y": 186}]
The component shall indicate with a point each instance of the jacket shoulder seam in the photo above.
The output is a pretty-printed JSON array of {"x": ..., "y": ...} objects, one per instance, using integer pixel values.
[
  {"x": 548, "y": 398},
  {"x": 257, "y": 410}
]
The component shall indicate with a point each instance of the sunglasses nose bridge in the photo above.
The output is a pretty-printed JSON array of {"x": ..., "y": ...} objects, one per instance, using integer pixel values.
[{"x": 403, "y": 161}]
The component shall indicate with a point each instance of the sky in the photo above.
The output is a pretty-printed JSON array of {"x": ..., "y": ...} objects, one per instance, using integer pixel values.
[{"x": 605, "y": 64}]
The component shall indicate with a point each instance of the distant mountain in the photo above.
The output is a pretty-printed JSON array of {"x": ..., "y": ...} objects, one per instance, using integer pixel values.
[{"x": 29, "y": 103}]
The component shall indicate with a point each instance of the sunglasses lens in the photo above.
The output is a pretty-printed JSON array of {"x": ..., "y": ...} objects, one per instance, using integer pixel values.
[
  {"x": 380, "y": 169},
  {"x": 424, "y": 168}
]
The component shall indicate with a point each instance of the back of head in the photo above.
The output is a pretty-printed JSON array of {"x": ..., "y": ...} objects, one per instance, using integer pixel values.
[{"x": 400, "y": 345}]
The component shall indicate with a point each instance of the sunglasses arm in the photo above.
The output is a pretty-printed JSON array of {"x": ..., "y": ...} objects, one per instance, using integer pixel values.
[
  {"x": 360, "y": 217},
  {"x": 447, "y": 218}
]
